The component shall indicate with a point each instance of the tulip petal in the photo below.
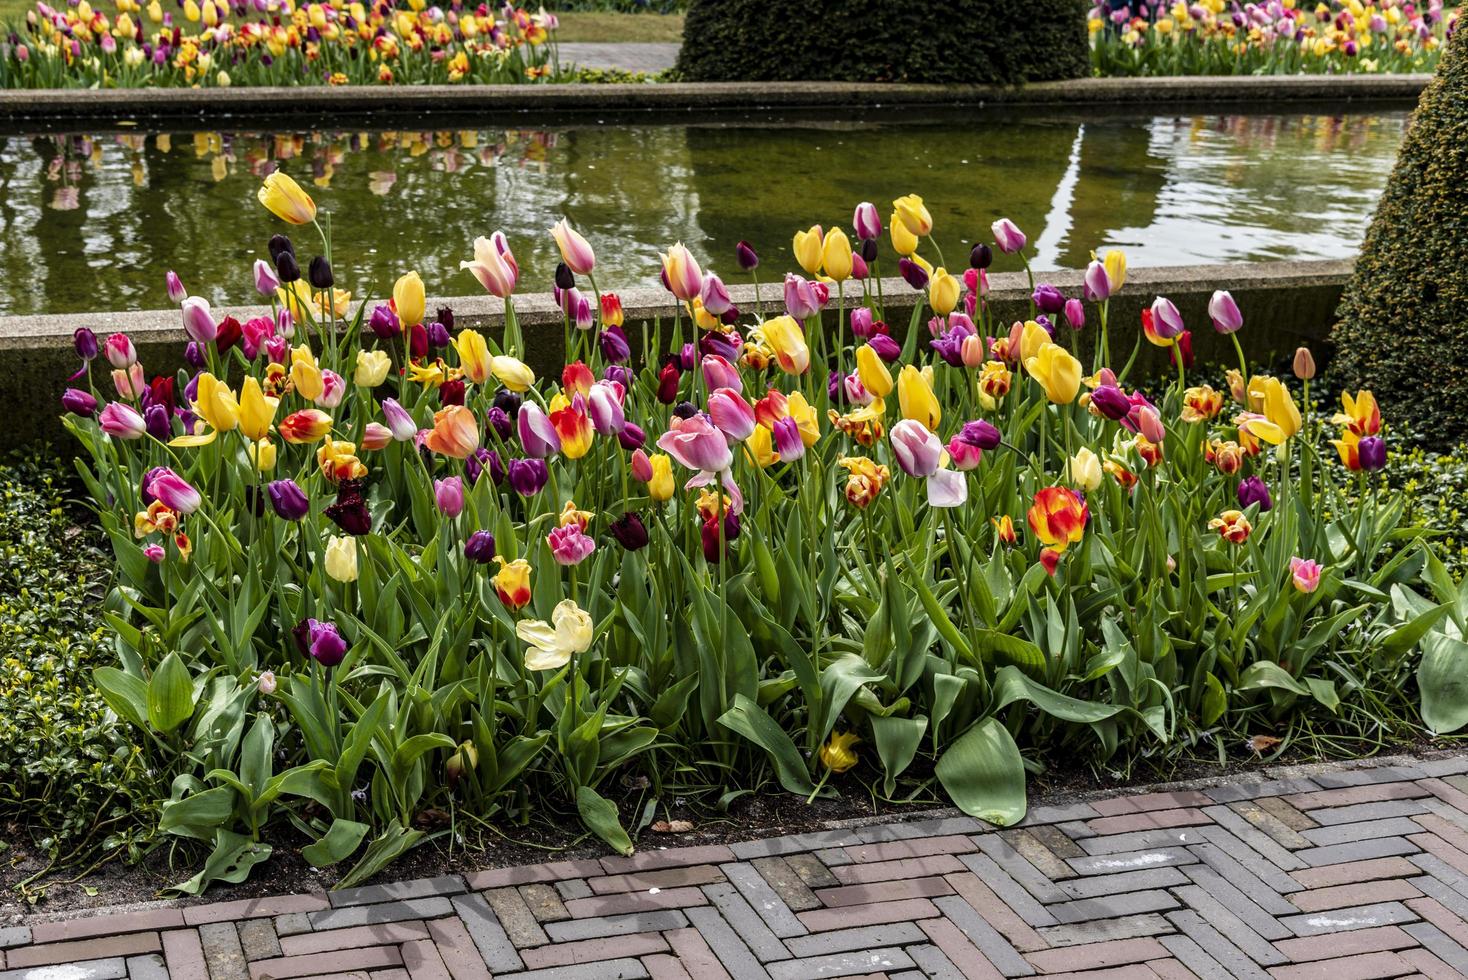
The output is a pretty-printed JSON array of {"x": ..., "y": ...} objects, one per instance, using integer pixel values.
[{"x": 947, "y": 488}]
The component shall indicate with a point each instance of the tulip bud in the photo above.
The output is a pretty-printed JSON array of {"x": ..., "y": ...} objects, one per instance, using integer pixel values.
[
  {"x": 198, "y": 321},
  {"x": 120, "y": 351},
  {"x": 194, "y": 356},
  {"x": 85, "y": 342},
  {"x": 288, "y": 500},
  {"x": 449, "y": 495},
  {"x": 176, "y": 291},
  {"x": 915, "y": 275},
  {"x": 1075, "y": 314},
  {"x": 384, "y": 322},
  {"x": 981, "y": 433},
  {"x": 1097, "y": 283},
  {"x": 398, "y": 420},
  {"x": 631, "y": 437},
  {"x": 980, "y": 256},
  {"x": 265, "y": 282},
  {"x": 279, "y": 244},
  {"x": 1304, "y": 364},
  {"x": 746, "y": 257},
  {"x": 480, "y": 548},
  {"x": 286, "y": 268},
  {"x": 1007, "y": 236},
  {"x": 1253, "y": 490},
  {"x": 438, "y": 335},
  {"x": 1111, "y": 402},
  {"x": 867, "y": 222},
  {"x": 714, "y": 295},
  {"x": 629, "y": 531},
  {"x": 886, "y": 348},
  {"x": 1149, "y": 423},
  {"x": 509, "y": 401},
  {"x": 1224, "y": 313},
  {"x": 565, "y": 278},
  {"x": 79, "y": 402},
  {"x": 319, "y": 273},
  {"x": 1373, "y": 453}
]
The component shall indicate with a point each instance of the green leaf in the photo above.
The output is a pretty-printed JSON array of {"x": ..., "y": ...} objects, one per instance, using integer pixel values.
[
  {"x": 1011, "y": 685},
  {"x": 984, "y": 774},
  {"x": 231, "y": 860},
  {"x": 1215, "y": 701},
  {"x": 599, "y": 814},
  {"x": 392, "y": 843},
  {"x": 125, "y": 693},
  {"x": 342, "y": 838},
  {"x": 170, "y": 694},
  {"x": 1406, "y": 636},
  {"x": 198, "y": 815},
  {"x": 754, "y": 723},
  {"x": 1442, "y": 677},
  {"x": 1264, "y": 673},
  {"x": 897, "y": 742}
]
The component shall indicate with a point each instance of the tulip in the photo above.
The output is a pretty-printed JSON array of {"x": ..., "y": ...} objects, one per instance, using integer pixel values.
[
  {"x": 288, "y": 500},
  {"x": 514, "y": 374},
  {"x": 1149, "y": 424},
  {"x": 965, "y": 456},
  {"x": 1111, "y": 402},
  {"x": 1115, "y": 263},
  {"x": 198, "y": 322},
  {"x": 745, "y": 256},
  {"x": 885, "y": 347},
  {"x": 256, "y": 412},
  {"x": 1097, "y": 285},
  {"x": 837, "y": 754},
  {"x": 1057, "y": 372},
  {"x": 614, "y": 345},
  {"x": 659, "y": 482},
  {"x": 786, "y": 338},
  {"x": 912, "y": 273},
  {"x": 285, "y": 199},
  {"x": 1304, "y": 364},
  {"x": 575, "y": 250},
  {"x": 731, "y": 414},
  {"x": 873, "y": 374},
  {"x": 943, "y": 292},
  {"x": 1279, "y": 406},
  {"x": 570, "y": 545},
  {"x": 512, "y": 582},
  {"x": 175, "y": 287},
  {"x": 913, "y": 214},
  {"x": 409, "y": 300},
  {"x": 1007, "y": 236},
  {"x": 319, "y": 274},
  {"x": 916, "y": 448},
  {"x": 980, "y": 433},
  {"x": 1167, "y": 322},
  {"x": 808, "y": 249},
  {"x": 1361, "y": 416},
  {"x": 696, "y": 444},
  {"x": 266, "y": 282},
  {"x": 552, "y": 645},
  {"x": 1058, "y": 517},
  {"x": 1305, "y": 574},
  {"x": 372, "y": 368},
  {"x": 79, "y": 402},
  {"x": 1083, "y": 470},
  {"x": 399, "y": 422},
  {"x": 1232, "y": 526},
  {"x": 801, "y": 301},
  {"x": 494, "y": 265},
  {"x": 629, "y": 531},
  {"x": 836, "y": 255},
  {"x": 1075, "y": 314},
  {"x": 474, "y": 357},
  {"x": 333, "y": 389},
  {"x": 455, "y": 432},
  {"x": 904, "y": 242},
  {"x": 1224, "y": 313},
  {"x": 1372, "y": 450},
  {"x": 1048, "y": 299},
  {"x": 867, "y": 222},
  {"x": 479, "y": 548},
  {"x": 1253, "y": 490},
  {"x": 719, "y": 373},
  {"x": 572, "y": 424},
  {"x": 527, "y": 476},
  {"x": 714, "y": 295},
  {"x": 121, "y": 353},
  {"x": 287, "y": 269},
  {"x": 916, "y": 399},
  {"x": 384, "y": 323},
  {"x": 173, "y": 491},
  {"x": 448, "y": 494},
  {"x": 320, "y": 641},
  {"x": 685, "y": 279}
]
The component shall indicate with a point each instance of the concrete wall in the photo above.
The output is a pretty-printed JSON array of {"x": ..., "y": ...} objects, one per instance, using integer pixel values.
[{"x": 1284, "y": 304}]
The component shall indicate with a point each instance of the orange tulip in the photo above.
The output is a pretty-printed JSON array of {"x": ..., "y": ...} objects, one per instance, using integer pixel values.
[{"x": 455, "y": 432}]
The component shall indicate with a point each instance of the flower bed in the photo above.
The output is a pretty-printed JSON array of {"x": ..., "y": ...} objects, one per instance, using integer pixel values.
[
  {"x": 375, "y": 577},
  {"x": 276, "y": 42},
  {"x": 1212, "y": 37}
]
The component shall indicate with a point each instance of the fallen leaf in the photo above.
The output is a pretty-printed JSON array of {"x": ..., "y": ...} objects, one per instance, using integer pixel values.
[{"x": 672, "y": 826}]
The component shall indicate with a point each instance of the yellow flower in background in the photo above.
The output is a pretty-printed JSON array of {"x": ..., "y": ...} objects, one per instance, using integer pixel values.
[
  {"x": 474, "y": 356},
  {"x": 913, "y": 215},
  {"x": 409, "y": 299},
  {"x": 256, "y": 411},
  {"x": 943, "y": 292},
  {"x": 916, "y": 399},
  {"x": 305, "y": 374},
  {"x": 661, "y": 487},
  {"x": 262, "y": 455},
  {"x": 836, "y": 255},
  {"x": 372, "y": 368},
  {"x": 341, "y": 558},
  {"x": 1115, "y": 265},
  {"x": 904, "y": 242},
  {"x": 837, "y": 754},
  {"x": 807, "y": 246},
  {"x": 872, "y": 372},
  {"x": 283, "y": 197},
  {"x": 1057, "y": 372}
]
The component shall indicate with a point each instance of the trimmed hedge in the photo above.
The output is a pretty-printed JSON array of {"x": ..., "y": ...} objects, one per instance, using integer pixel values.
[
  {"x": 1403, "y": 327},
  {"x": 884, "y": 41}
]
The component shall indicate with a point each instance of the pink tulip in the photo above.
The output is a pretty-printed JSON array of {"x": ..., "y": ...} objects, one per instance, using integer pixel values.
[
  {"x": 122, "y": 422},
  {"x": 918, "y": 451},
  {"x": 1007, "y": 236},
  {"x": 1149, "y": 423},
  {"x": 1305, "y": 573},
  {"x": 641, "y": 466},
  {"x": 947, "y": 488},
  {"x": 449, "y": 495},
  {"x": 153, "y": 552},
  {"x": 129, "y": 383},
  {"x": 198, "y": 321},
  {"x": 575, "y": 250},
  {"x": 1224, "y": 313},
  {"x": 802, "y": 299},
  {"x": 964, "y": 455},
  {"x": 731, "y": 414},
  {"x": 696, "y": 444},
  {"x": 174, "y": 491},
  {"x": 375, "y": 436},
  {"x": 785, "y": 436},
  {"x": 176, "y": 291},
  {"x": 333, "y": 388},
  {"x": 266, "y": 282},
  {"x": 714, "y": 295},
  {"x": 867, "y": 221},
  {"x": 537, "y": 435},
  {"x": 570, "y": 545},
  {"x": 120, "y": 351},
  {"x": 398, "y": 420},
  {"x": 1167, "y": 322},
  {"x": 604, "y": 405},
  {"x": 1097, "y": 282},
  {"x": 719, "y": 373}
]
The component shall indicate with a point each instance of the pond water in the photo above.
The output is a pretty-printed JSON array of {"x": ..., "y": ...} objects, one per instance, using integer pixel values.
[{"x": 93, "y": 220}]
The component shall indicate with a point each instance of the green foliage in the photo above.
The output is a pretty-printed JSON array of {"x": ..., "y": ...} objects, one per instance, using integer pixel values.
[
  {"x": 1403, "y": 329},
  {"x": 884, "y": 41},
  {"x": 70, "y": 776}
]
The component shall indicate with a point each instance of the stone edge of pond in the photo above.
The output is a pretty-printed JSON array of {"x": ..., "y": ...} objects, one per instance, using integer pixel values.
[
  {"x": 491, "y": 101},
  {"x": 54, "y": 330}
]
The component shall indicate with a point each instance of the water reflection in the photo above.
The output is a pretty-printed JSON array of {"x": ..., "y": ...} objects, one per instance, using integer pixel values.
[{"x": 93, "y": 220}]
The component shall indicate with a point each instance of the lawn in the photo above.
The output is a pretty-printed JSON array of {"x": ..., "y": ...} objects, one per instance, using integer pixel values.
[{"x": 597, "y": 26}]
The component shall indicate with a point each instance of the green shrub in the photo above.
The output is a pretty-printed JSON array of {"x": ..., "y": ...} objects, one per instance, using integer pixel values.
[
  {"x": 70, "y": 775},
  {"x": 1403, "y": 316},
  {"x": 884, "y": 40}
]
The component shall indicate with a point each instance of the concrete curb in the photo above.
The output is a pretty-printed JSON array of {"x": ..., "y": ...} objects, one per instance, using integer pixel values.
[{"x": 492, "y": 102}]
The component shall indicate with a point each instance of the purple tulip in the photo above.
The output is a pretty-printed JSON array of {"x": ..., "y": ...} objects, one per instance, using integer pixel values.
[
  {"x": 122, "y": 421},
  {"x": 885, "y": 347},
  {"x": 537, "y": 436},
  {"x": 438, "y": 335},
  {"x": 614, "y": 345},
  {"x": 621, "y": 374},
  {"x": 632, "y": 437},
  {"x": 500, "y": 421},
  {"x": 85, "y": 342},
  {"x": 787, "y": 441},
  {"x": 1097, "y": 282},
  {"x": 1372, "y": 452},
  {"x": 528, "y": 476},
  {"x": 1111, "y": 402},
  {"x": 980, "y": 256},
  {"x": 176, "y": 291},
  {"x": 384, "y": 322},
  {"x": 1048, "y": 298},
  {"x": 475, "y": 464},
  {"x": 399, "y": 422},
  {"x": 320, "y": 641},
  {"x": 350, "y": 511},
  {"x": 480, "y": 548},
  {"x": 79, "y": 402},
  {"x": 1167, "y": 322},
  {"x": 288, "y": 500},
  {"x": 174, "y": 491},
  {"x": 714, "y": 295},
  {"x": 915, "y": 275},
  {"x": 867, "y": 221},
  {"x": 861, "y": 322},
  {"x": 629, "y": 532},
  {"x": 980, "y": 433},
  {"x": 746, "y": 257},
  {"x": 160, "y": 426},
  {"x": 1007, "y": 236},
  {"x": 1253, "y": 490},
  {"x": 1224, "y": 313},
  {"x": 265, "y": 281}
]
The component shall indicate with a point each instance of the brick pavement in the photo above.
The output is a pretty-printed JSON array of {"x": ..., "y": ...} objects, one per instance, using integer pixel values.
[{"x": 1333, "y": 872}]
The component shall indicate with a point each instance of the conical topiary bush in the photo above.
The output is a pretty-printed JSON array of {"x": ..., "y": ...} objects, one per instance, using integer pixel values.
[{"x": 1403, "y": 322}]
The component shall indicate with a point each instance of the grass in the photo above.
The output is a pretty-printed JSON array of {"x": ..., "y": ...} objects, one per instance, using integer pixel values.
[{"x": 598, "y": 26}]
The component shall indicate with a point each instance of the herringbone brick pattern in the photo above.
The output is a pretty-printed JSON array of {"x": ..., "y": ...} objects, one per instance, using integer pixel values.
[{"x": 1338, "y": 873}]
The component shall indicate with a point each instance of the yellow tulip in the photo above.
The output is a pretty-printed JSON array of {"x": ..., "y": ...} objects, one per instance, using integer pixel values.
[
  {"x": 216, "y": 404},
  {"x": 409, "y": 300},
  {"x": 760, "y": 447},
  {"x": 511, "y": 372},
  {"x": 1031, "y": 339},
  {"x": 872, "y": 372},
  {"x": 372, "y": 368},
  {"x": 943, "y": 292},
  {"x": 915, "y": 398},
  {"x": 808, "y": 249},
  {"x": 283, "y": 197},
  {"x": 903, "y": 241},
  {"x": 262, "y": 455},
  {"x": 1083, "y": 471},
  {"x": 913, "y": 214},
  {"x": 836, "y": 255},
  {"x": 1057, "y": 372},
  {"x": 1115, "y": 264},
  {"x": 1277, "y": 404},
  {"x": 341, "y": 558},
  {"x": 837, "y": 754},
  {"x": 786, "y": 338},
  {"x": 805, "y": 418},
  {"x": 474, "y": 357},
  {"x": 660, "y": 487},
  {"x": 256, "y": 411},
  {"x": 305, "y": 375}
]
